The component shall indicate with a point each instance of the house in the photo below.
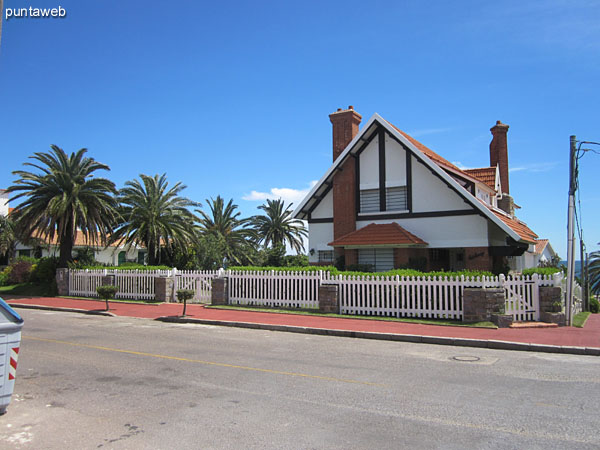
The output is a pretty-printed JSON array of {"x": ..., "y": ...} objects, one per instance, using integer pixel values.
[
  {"x": 542, "y": 254},
  {"x": 389, "y": 201},
  {"x": 113, "y": 254}
]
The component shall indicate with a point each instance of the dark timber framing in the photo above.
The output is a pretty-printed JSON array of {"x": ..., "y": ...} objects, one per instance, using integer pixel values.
[
  {"x": 417, "y": 215},
  {"x": 382, "y": 202},
  {"x": 408, "y": 180}
]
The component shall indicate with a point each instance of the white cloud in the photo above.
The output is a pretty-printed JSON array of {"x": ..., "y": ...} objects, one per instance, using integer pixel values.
[
  {"x": 539, "y": 167},
  {"x": 461, "y": 166},
  {"x": 288, "y": 195},
  {"x": 427, "y": 131}
]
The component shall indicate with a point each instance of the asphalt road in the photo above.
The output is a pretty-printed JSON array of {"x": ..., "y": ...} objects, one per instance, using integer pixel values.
[{"x": 100, "y": 382}]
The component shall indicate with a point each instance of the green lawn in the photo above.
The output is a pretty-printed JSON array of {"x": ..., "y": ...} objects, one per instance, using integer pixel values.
[
  {"x": 580, "y": 318},
  {"x": 315, "y": 312},
  {"x": 29, "y": 289}
]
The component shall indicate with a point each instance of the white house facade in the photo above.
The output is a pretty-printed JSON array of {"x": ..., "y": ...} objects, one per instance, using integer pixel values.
[{"x": 389, "y": 201}]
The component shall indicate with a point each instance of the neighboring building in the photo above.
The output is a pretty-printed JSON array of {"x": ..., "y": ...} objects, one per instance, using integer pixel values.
[
  {"x": 113, "y": 255},
  {"x": 3, "y": 203},
  {"x": 391, "y": 202},
  {"x": 539, "y": 255}
]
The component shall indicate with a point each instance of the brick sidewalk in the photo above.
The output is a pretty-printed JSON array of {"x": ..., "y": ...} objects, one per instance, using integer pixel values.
[{"x": 587, "y": 337}]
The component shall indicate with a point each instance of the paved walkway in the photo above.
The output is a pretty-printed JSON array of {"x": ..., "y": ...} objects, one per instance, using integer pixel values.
[{"x": 561, "y": 340}]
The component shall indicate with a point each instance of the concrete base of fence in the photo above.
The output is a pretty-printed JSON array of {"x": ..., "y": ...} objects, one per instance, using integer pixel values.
[
  {"x": 502, "y": 320},
  {"x": 328, "y": 298},
  {"x": 219, "y": 293},
  {"x": 163, "y": 289},
  {"x": 553, "y": 317},
  {"x": 62, "y": 281},
  {"x": 479, "y": 304}
]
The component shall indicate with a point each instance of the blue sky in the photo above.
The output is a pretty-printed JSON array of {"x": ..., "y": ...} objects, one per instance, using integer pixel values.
[{"x": 232, "y": 98}]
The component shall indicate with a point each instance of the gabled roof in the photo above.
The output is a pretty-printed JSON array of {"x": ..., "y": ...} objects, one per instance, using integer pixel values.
[
  {"x": 80, "y": 241},
  {"x": 436, "y": 163},
  {"x": 388, "y": 235},
  {"x": 485, "y": 174},
  {"x": 540, "y": 245},
  {"x": 518, "y": 227}
]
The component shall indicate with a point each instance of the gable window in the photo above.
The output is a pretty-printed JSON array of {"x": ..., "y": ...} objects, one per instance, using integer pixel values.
[
  {"x": 369, "y": 200},
  {"x": 395, "y": 198},
  {"x": 325, "y": 256}
]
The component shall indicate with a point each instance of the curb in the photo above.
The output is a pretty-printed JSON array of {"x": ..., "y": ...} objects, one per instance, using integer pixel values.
[
  {"x": 56, "y": 308},
  {"x": 458, "y": 342}
]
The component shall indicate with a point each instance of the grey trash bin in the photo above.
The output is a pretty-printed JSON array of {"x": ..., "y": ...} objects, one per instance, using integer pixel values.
[{"x": 10, "y": 342}]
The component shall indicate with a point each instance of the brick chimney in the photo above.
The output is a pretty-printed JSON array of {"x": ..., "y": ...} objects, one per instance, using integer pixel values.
[
  {"x": 345, "y": 127},
  {"x": 499, "y": 153}
]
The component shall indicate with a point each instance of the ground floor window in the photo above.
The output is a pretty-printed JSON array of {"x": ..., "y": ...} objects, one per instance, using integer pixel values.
[
  {"x": 381, "y": 259},
  {"x": 325, "y": 256}
]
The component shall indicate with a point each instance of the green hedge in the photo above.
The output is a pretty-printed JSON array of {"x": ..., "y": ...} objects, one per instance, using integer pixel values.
[
  {"x": 541, "y": 271},
  {"x": 126, "y": 266},
  {"x": 396, "y": 272}
]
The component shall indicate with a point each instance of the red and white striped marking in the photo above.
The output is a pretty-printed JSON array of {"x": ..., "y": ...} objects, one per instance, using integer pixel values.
[{"x": 12, "y": 369}]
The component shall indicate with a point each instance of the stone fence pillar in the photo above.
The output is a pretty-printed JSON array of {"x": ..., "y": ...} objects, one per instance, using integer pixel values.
[
  {"x": 549, "y": 296},
  {"x": 328, "y": 298},
  {"x": 479, "y": 304},
  {"x": 107, "y": 280},
  {"x": 163, "y": 289},
  {"x": 220, "y": 291},
  {"x": 62, "y": 281}
]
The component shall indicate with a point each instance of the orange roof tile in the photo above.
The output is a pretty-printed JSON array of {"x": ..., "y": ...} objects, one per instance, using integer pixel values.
[
  {"x": 540, "y": 245},
  {"x": 390, "y": 234},
  {"x": 430, "y": 153},
  {"x": 80, "y": 241},
  {"x": 484, "y": 174},
  {"x": 518, "y": 227}
]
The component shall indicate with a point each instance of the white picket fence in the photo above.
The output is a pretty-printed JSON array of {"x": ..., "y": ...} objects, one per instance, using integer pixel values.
[
  {"x": 425, "y": 297},
  {"x": 273, "y": 288},
  {"x": 139, "y": 284}
]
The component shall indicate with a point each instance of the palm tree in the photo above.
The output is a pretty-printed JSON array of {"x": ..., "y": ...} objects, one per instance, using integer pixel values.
[
  {"x": 222, "y": 225},
  {"x": 64, "y": 198},
  {"x": 154, "y": 216},
  {"x": 8, "y": 238},
  {"x": 277, "y": 227}
]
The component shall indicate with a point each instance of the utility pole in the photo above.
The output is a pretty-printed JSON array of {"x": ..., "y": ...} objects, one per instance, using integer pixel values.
[
  {"x": 584, "y": 306},
  {"x": 571, "y": 234}
]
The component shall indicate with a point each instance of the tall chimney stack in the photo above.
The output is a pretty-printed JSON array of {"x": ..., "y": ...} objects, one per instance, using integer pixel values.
[
  {"x": 345, "y": 127},
  {"x": 499, "y": 153}
]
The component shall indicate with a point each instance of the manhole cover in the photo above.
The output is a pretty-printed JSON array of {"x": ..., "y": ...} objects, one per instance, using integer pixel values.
[{"x": 466, "y": 358}]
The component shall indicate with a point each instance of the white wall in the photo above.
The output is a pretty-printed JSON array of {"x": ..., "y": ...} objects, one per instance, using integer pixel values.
[
  {"x": 325, "y": 208},
  {"x": 3, "y": 203},
  {"x": 395, "y": 163},
  {"x": 319, "y": 235},
  {"x": 369, "y": 166},
  {"x": 444, "y": 232},
  {"x": 429, "y": 193}
]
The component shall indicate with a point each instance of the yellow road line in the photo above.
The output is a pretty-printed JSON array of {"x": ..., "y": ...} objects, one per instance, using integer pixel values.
[{"x": 199, "y": 361}]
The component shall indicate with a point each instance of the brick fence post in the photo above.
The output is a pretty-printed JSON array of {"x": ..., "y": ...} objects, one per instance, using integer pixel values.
[
  {"x": 219, "y": 294},
  {"x": 328, "y": 298},
  {"x": 62, "y": 281}
]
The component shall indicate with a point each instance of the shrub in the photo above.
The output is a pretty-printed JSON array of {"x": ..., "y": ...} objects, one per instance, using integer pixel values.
[
  {"x": 4, "y": 275},
  {"x": 359, "y": 268},
  {"x": 183, "y": 295},
  {"x": 541, "y": 271},
  {"x": 594, "y": 305},
  {"x": 107, "y": 292},
  {"x": 44, "y": 272},
  {"x": 20, "y": 271}
]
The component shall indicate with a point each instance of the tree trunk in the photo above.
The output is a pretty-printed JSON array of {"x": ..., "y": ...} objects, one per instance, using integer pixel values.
[
  {"x": 66, "y": 246},
  {"x": 151, "y": 254}
]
